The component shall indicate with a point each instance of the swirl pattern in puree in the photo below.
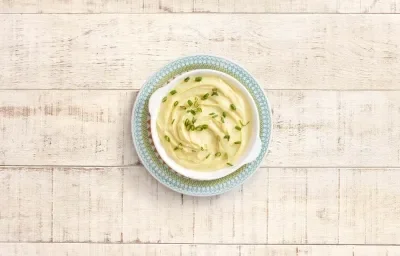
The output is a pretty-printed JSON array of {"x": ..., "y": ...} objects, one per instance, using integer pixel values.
[{"x": 204, "y": 124}]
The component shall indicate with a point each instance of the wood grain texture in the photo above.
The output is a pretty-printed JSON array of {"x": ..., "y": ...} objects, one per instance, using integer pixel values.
[
  {"x": 315, "y": 52},
  {"x": 92, "y": 128},
  {"x": 77, "y": 249},
  {"x": 126, "y": 205},
  {"x": 66, "y": 127},
  {"x": 193, "y": 6}
]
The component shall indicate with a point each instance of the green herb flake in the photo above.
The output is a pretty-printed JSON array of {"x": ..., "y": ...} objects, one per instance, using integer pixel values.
[
  {"x": 233, "y": 107},
  {"x": 198, "y": 110},
  {"x": 204, "y": 126},
  {"x": 190, "y": 103},
  {"x": 243, "y": 125},
  {"x": 214, "y": 116},
  {"x": 218, "y": 154},
  {"x": 224, "y": 114},
  {"x": 238, "y": 128},
  {"x": 164, "y": 99},
  {"x": 214, "y": 94},
  {"x": 176, "y": 148},
  {"x": 183, "y": 107},
  {"x": 167, "y": 138},
  {"x": 173, "y": 92},
  {"x": 176, "y": 103},
  {"x": 202, "y": 149},
  {"x": 227, "y": 137},
  {"x": 238, "y": 142},
  {"x": 173, "y": 121},
  {"x": 229, "y": 164},
  {"x": 196, "y": 104},
  {"x": 208, "y": 156},
  {"x": 211, "y": 114},
  {"x": 194, "y": 151},
  {"x": 214, "y": 89},
  {"x": 186, "y": 79},
  {"x": 191, "y": 111},
  {"x": 194, "y": 120},
  {"x": 222, "y": 120},
  {"x": 205, "y": 96},
  {"x": 198, "y": 79}
]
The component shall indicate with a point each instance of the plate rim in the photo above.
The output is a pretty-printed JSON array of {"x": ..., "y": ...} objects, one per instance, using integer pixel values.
[{"x": 152, "y": 76}]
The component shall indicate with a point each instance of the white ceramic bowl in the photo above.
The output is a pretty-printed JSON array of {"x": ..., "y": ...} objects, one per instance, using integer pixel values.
[{"x": 251, "y": 152}]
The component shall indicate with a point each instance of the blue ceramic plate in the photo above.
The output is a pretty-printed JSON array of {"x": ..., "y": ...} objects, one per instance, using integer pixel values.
[{"x": 142, "y": 136}]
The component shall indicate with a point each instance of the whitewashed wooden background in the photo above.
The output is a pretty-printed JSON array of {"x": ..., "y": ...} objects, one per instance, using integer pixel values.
[{"x": 71, "y": 182}]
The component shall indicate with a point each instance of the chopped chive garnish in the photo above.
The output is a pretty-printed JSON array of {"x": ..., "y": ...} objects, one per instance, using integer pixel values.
[
  {"x": 198, "y": 79},
  {"x": 191, "y": 111},
  {"x": 192, "y": 128},
  {"x": 194, "y": 120},
  {"x": 205, "y": 96},
  {"x": 190, "y": 102},
  {"x": 214, "y": 94},
  {"x": 218, "y": 154},
  {"x": 214, "y": 116},
  {"x": 176, "y": 103},
  {"x": 198, "y": 110},
  {"x": 167, "y": 138},
  {"x": 238, "y": 128},
  {"x": 224, "y": 114},
  {"x": 243, "y": 125},
  {"x": 173, "y": 121},
  {"x": 233, "y": 107},
  {"x": 202, "y": 149},
  {"x": 222, "y": 120},
  {"x": 204, "y": 126},
  {"x": 198, "y": 128},
  {"x": 186, "y": 79},
  {"x": 238, "y": 142},
  {"x": 208, "y": 156},
  {"x": 214, "y": 89},
  {"x": 176, "y": 148},
  {"x": 186, "y": 122},
  {"x": 164, "y": 99},
  {"x": 211, "y": 114},
  {"x": 173, "y": 92},
  {"x": 229, "y": 164},
  {"x": 196, "y": 104},
  {"x": 183, "y": 107},
  {"x": 227, "y": 137}
]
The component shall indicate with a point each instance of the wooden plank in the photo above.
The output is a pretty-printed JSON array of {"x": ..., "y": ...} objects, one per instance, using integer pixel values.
[
  {"x": 26, "y": 204},
  {"x": 66, "y": 127},
  {"x": 114, "y": 51},
  {"x": 174, "y": 6},
  {"x": 126, "y": 205},
  {"x": 367, "y": 220},
  {"x": 193, "y": 6},
  {"x": 99, "y": 216},
  {"x": 368, "y": 6},
  {"x": 77, "y": 249},
  {"x": 92, "y": 128}
]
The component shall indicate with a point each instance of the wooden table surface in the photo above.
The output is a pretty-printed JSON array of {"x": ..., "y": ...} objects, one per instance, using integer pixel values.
[{"x": 71, "y": 182}]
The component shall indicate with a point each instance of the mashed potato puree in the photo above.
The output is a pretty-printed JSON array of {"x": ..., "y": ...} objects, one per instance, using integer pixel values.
[{"x": 204, "y": 124}]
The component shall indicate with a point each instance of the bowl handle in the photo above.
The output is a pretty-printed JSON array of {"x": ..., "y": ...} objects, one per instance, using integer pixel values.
[
  {"x": 156, "y": 98},
  {"x": 255, "y": 151}
]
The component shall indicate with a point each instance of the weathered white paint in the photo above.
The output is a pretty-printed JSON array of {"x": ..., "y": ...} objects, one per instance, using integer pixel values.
[
  {"x": 204, "y": 6},
  {"x": 66, "y": 127},
  {"x": 114, "y": 51},
  {"x": 92, "y": 128},
  {"x": 127, "y": 205},
  {"x": 79, "y": 249}
]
